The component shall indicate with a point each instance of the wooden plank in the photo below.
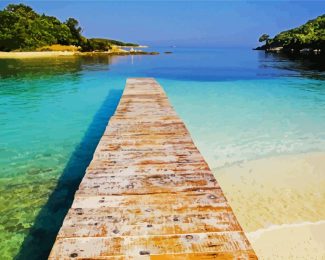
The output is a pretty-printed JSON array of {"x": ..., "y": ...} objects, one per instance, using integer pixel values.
[
  {"x": 98, "y": 167},
  {"x": 148, "y": 192},
  {"x": 137, "y": 246},
  {"x": 99, "y": 225},
  {"x": 198, "y": 196},
  {"x": 145, "y": 183}
]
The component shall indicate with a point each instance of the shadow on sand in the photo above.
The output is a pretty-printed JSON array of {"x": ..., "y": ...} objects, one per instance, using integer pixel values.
[{"x": 39, "y": 241}]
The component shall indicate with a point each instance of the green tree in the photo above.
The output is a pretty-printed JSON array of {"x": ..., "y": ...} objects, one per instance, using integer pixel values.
[
  {"x": 9, "y": 39},
  {"x": 309, "y": 35},
  {"x": 75, "y": 30},
  {"x": 21, "y": 28},
  {"x": 264, "y": 37},
  {"x": 22, "y": 10}
]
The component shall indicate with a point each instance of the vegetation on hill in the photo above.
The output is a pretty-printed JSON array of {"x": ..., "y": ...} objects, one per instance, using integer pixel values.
[
  {"x": 22, "y": 29},
  {"x": 307, "y": 37},
  {"x": 115, "y": 42},
  {"x": 101, "y": 44}
]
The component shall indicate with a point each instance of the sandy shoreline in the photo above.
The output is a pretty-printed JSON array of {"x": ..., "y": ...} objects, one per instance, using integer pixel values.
[
  {"x": 290, "y": 241},
  {"x": 49, "y": 54},
  {"x": 35, "y": 54},
  {"x": 280, "y": 203}
]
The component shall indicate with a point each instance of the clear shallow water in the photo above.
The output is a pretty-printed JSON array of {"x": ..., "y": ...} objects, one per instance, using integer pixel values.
[
  {"x": 234, "y": 121},
  {"x": 238, "y": 105}
]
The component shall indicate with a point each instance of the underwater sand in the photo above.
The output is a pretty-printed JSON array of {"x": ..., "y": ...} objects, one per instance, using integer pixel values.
[{"x": 280, "y": 203}]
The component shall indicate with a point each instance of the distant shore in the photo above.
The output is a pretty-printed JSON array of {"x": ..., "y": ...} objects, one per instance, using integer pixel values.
[
  {"x": 280, "y": 203},
  {"x": 49, "y": 54}
]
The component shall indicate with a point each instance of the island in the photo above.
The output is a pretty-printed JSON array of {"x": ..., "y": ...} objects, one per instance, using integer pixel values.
[
  {"x": 25, "y": 34},
  {"x": 308, "y": 38}
]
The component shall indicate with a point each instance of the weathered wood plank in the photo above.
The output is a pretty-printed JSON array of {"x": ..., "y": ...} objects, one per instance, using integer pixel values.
[
  {"x": 93, "y": 225},
  {"x": 138, "y": 246},
  {"x": 199, "y": 196},
  {"x": 148, "y": 192},
  {"x": 96, "y": 168},
  {"x": 144, "y": 183}
]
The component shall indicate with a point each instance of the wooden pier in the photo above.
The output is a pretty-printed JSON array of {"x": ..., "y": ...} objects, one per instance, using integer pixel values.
[{"x": 148, "y": 192}]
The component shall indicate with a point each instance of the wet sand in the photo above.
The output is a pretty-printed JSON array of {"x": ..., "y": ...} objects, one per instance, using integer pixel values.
[
  {"x": 293, "y": 241},
  {"x": 280, "y": 203}
]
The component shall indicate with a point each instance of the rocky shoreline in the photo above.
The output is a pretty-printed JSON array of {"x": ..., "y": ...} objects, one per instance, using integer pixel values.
[{"x": 305, "y": 51}]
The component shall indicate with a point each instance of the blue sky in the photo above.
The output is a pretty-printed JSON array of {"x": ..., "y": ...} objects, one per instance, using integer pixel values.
[{"x": 182, "y": 23}]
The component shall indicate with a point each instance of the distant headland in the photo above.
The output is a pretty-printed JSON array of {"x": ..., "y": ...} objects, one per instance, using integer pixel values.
[
  {"x": 25, "y": 34},
  {"x": 308, "y": 38}
]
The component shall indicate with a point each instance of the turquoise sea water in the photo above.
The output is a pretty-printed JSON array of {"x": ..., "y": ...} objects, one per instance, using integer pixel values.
[{"x": 238, "y": 105}]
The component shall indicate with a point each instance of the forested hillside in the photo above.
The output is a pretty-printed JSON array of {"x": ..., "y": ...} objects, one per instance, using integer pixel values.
[
  {"x": 22, "y": 29},
  {"x": 310, "y": 35}
]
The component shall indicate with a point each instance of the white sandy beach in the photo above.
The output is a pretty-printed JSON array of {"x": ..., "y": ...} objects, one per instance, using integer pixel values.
[
  {"x": 280, "y": 203},
  {"x": 35, "y": 54}
]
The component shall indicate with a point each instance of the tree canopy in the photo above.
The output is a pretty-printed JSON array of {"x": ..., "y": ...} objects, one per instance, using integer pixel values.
[
  {"x": 309, "y": 35},
  {"x": 264, "y": 38},
  {"x": 21, "y": 28}
]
